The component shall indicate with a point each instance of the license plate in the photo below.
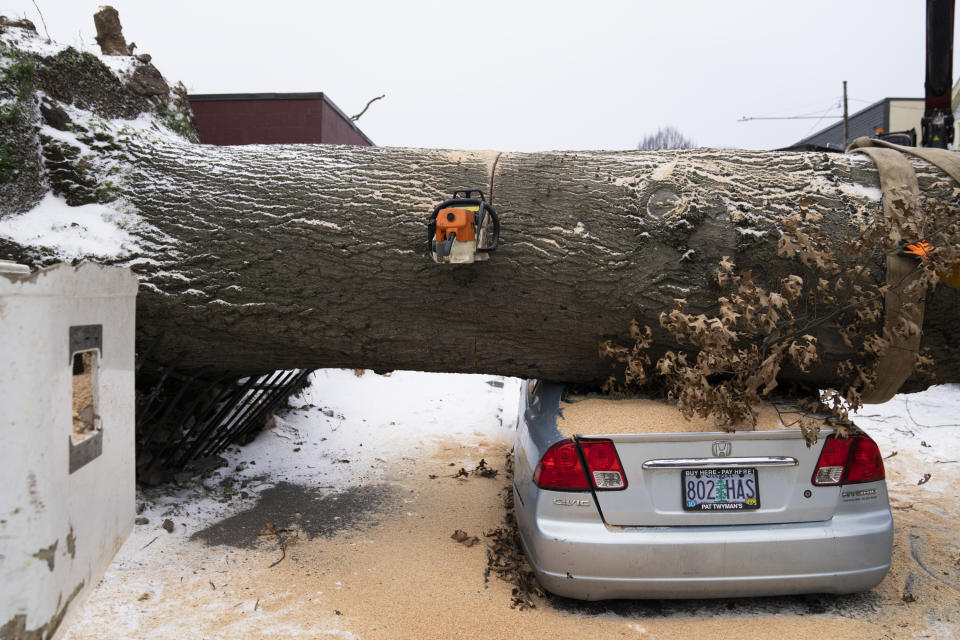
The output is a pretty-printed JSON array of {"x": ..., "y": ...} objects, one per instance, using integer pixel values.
[{"x": 720, "y": 489}]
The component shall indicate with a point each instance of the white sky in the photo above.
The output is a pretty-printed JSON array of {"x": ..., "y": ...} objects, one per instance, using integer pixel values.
[{"x": 526, "y": 76}]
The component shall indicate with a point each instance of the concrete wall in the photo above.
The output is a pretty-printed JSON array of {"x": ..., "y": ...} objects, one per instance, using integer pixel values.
[{"x": 65, "y": 507}]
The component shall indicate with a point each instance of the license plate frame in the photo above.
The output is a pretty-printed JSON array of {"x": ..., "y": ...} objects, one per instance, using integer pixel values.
[{"x": 704, "y": 496}]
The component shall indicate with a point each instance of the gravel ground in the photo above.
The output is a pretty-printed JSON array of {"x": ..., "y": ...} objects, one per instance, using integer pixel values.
[{"x": 375, "y": 559}]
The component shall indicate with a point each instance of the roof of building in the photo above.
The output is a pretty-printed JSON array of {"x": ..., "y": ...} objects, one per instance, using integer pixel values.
[
  {"x": 816, "y": 138},
  {"x": 316, "y": 95}
]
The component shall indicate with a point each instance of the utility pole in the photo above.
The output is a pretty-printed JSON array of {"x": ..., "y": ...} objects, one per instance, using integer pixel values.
[
  {"x": 846, "y": 119},
  {"x": 936, "y": 126}
]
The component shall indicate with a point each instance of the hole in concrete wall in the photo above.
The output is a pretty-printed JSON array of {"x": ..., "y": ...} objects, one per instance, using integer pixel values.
[
  {"x": 86, "y": 410},
  {"x": 86, "y": 437}
]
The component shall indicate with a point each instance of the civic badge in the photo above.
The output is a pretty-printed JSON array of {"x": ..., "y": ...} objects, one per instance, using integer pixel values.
[{"x": 722, "y": 448}]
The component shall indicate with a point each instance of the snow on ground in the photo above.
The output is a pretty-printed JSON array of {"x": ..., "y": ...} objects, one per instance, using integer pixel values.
[
  {"x": 73, "y": 232},
  {"x": 31, "y": 42},
  {"x": 346, "y": 430},
  {"x": 398, "y": 574},
  {"x": 920, "y": 434}
]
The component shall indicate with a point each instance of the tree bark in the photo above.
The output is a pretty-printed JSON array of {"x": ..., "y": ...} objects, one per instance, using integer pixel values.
[
  {"x": 258, "y": 258},
  {"x": 110, "y": 33},
  {"x": 278, "y": 257}
]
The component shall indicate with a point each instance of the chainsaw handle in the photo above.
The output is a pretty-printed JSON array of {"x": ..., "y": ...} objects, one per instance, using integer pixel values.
[
  {"x": 466, "y": 193},
  {"x": 442, "y": 249},
  {"x": 486, "y": 208}
]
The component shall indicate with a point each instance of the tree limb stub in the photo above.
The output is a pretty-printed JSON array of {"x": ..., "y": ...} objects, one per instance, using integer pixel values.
[{"x": 110, "y": 32}]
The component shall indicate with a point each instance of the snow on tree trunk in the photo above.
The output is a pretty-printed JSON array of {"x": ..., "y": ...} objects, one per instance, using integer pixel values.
[{"x": 312, "y": 256}]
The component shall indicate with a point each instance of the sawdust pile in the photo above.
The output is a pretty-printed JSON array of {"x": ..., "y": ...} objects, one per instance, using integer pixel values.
[
  {"x": 645, "y": 415},
  {"x": 922, "y": 590},
  {"x": 404, "y": 577}
]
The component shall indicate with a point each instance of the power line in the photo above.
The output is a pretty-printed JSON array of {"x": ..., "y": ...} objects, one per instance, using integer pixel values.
[
  {"x": 817, "y": 123},
  {"x": 749, "y": 118},
  {"x": 815, "y": 115}
]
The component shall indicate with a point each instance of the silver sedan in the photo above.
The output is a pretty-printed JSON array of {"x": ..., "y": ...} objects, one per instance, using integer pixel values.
[{"x": 696, "y": 514}]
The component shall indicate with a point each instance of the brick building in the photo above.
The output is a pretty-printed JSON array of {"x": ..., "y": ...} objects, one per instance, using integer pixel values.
[{"x": 273, "y": 118}]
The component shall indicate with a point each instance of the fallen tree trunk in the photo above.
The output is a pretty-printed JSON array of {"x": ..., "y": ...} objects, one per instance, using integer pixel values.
[
  {"x": 266, "y": 257},
  {"x": 292, "y": 257}
]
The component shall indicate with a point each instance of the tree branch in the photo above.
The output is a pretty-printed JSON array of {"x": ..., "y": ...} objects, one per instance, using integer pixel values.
[{"x": 372, "y": 100}]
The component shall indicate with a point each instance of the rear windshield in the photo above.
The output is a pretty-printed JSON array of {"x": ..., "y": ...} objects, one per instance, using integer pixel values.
[{"x": 599, "y": 415}]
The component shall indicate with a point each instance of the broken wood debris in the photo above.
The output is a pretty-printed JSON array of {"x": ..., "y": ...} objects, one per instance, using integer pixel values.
[
  {"x": 282, "y": 542},
  {"x": 910, "y": 587}
]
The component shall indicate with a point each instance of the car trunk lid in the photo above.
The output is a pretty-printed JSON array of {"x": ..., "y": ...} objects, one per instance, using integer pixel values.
[
  {"x": 677, "y": 471},
  {"x": 665, "y": 473}
]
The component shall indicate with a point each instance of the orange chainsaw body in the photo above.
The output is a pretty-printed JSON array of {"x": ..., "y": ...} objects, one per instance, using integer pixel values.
[{"x": 457, "y": 221}]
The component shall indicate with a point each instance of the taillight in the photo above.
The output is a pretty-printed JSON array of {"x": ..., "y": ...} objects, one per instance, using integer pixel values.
[
  {"x": 848, "y": 461},
  {"x": 866, "y": 463},
  {"x": 833, "y": 461},
  {"x": 560, "y": 469},
  {"x": 603, "y": 464}
]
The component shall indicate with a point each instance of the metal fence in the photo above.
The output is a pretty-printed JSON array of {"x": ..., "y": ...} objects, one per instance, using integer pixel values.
[{"x": 185, "y": 420}]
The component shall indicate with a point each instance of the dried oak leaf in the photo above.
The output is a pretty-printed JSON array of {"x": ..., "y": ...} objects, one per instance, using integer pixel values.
[
  {"x": 484, "y": 470},
  {"x": 464, "y": 538}
]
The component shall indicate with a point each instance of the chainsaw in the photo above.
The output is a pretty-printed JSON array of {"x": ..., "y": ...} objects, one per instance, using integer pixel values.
[{"x": 463, "y": 230}]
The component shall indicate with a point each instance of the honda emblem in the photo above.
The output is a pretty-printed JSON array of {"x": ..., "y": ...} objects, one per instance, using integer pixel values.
[{"x": 722, "y": 448}]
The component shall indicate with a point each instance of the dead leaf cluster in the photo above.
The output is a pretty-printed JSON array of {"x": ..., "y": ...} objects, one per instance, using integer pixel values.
[
  {"x": 731, "y": 357},
  {"x": 482, "y": 469},
  {"x": 505, "y": 557}
]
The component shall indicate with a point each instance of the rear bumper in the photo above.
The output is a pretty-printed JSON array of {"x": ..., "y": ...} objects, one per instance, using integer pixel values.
[{"x": 587, "y": 560}]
